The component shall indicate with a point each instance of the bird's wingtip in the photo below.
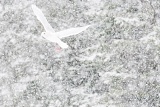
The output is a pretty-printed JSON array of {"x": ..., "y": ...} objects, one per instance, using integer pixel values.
[
  {"x": 90, "y": 25},
  {"x": 33, "y": 6}
]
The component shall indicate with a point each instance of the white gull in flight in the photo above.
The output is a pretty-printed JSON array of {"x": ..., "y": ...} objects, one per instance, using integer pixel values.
[{"x": 50, "y": 34}]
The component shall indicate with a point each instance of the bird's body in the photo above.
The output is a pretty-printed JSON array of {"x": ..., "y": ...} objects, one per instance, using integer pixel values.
[
  {"x": 50, "y": 34},
  {"x": 53, "y": 37}
]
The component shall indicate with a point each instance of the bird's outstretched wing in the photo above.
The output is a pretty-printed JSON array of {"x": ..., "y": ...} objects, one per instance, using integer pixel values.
[
  {"x": 71, "y": 31},
  {"x": 42, "y": 19}
]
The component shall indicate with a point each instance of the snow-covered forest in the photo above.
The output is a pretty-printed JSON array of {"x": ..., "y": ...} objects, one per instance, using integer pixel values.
[{"x": 113, "y": 63}]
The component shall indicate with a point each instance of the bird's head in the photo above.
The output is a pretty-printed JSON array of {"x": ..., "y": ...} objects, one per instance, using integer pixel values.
[{"x": 43, "y": 34}]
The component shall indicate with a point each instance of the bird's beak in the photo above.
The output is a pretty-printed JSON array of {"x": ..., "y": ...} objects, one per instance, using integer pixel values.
[{"x": 42, "y": 37}]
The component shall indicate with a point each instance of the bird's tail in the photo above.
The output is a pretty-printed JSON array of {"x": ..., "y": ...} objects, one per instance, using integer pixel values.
[{"x": 62, "y": 44}]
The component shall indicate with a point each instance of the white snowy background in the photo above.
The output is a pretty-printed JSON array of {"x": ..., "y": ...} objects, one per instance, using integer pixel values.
[{"x": 114, "y": 63}]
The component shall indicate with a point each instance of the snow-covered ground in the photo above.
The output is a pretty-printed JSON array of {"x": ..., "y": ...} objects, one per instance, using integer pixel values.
[{"x": 114, "y": 63}]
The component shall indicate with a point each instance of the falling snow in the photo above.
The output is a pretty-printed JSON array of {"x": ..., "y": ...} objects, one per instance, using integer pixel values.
[{"x": 114, "y": 63}]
